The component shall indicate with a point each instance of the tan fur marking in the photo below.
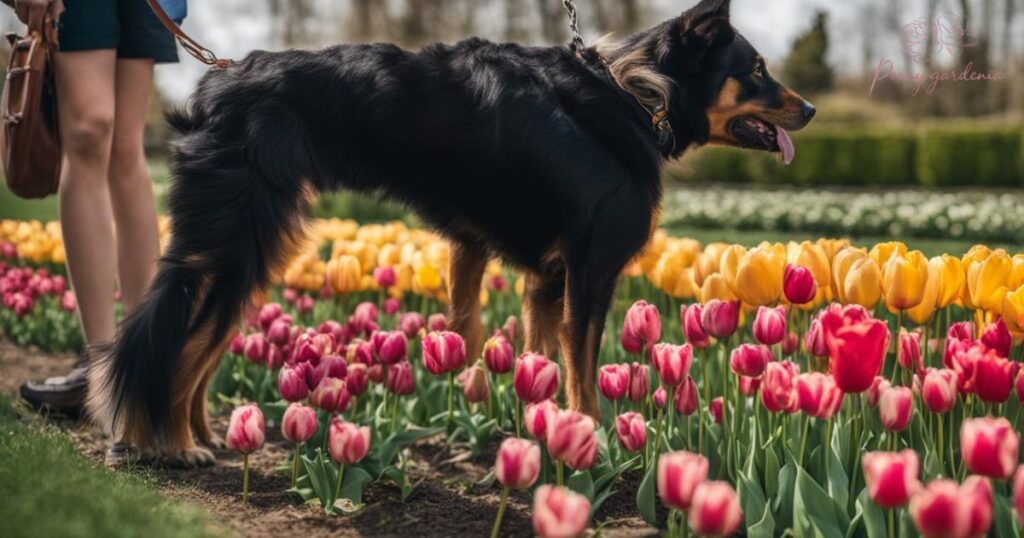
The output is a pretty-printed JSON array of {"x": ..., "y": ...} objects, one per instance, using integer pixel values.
[{"x": 465, "y": 274}]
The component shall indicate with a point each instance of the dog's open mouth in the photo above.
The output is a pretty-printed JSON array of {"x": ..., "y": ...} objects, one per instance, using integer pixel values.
[{"x": 753, "y": 133}]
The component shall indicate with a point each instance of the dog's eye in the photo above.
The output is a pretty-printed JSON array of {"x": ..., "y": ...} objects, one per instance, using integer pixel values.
[{"x": 758, "y": 70}]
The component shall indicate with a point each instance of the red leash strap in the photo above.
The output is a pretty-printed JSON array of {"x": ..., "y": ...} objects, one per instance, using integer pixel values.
[{"x": 190, "y": 45}]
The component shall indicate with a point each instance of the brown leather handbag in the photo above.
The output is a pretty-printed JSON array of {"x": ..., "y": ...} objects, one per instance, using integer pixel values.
[{"x": 29, "y": 136}]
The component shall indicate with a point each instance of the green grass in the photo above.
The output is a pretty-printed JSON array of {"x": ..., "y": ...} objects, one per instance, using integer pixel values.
[{"x": 49, "y": 489}]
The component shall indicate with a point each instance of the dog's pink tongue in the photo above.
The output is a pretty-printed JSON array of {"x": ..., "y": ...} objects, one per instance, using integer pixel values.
[{"x": 785, "y": 145}]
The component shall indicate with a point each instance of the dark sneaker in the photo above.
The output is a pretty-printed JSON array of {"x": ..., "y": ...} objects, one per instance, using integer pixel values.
[{"x": 65, "y": 394}]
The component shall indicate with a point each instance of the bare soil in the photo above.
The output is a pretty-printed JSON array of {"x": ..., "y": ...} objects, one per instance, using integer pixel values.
[{"x": 447, "y": 500}]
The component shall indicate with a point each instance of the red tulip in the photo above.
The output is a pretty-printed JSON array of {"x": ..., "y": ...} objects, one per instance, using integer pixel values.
[
  {"x": 672, "y": 362},
  {"x": 641, "y": 328},
  {"x": 770, "y": 325},
  {"x": 330, "y": 395},
  {"x": 571, "y": 439},
  {"x": 717, "y": 409},
  {"x": 330, "y": 366},
  {"x": 778, "y": 387},
  {"x": 686, "y": 397},
  {"x": 280, "y": 331},
  {"x": 959, "y": 336},
  {"x": 909, "y": 352},
  {"x": 632, "y": 431},
  {"x": 400, "y": 379},
  {"x": 895, "y": 407},
  {"x": 346, "y": 442},
  {"x": 818, "y": 395},
  {"x": 939, "y": 512},
  {"x": 357, "y": 379},
  {"x": 535, "y": 378},
  {"x": 639, "y": 379},
  {"x": 246, "y": 429},
  {"x": 976, "y": 493},
  {"x": 891, "y": 477},
  {"x": 689, "y": 320},
  {"x": 474, "y": 384},
  {"x": 938, "y": 390},
  {"x": 518, "y": 463},
  {"x": 790, "y": 344},
  {"x": 511, "y": 328},
  {"x": 443, "y": 352},
  {"x": 878, "y": 385},
  {"x": 989, "y": 446},
  {"x": 237, "y": 345},
  {"x": 390, "y": 347},
  {"x": 559, "y": 512},
  {"x": 749, "y": 385},
  {"x": 1020, "y": 387},
  {"x": 537, "y": 416},
  {"x": 437, "y": 322},
  {"x": 993, "y": 377},
  {"x": 679, "y": 474},
  {"x": 1018, "y": 493},
  {"x": 749, "y": 360},
  {"x": 385, "y": 276},
  {"x": 720, "y": 318},
  {"x": 291, "y": 383},
  {"x": 299, "y": 423},
  {"x": 798, "y": 284},
  {"x": 659, "y": 397},
  {"x": 391, "y": 306},
  {"x": 716, "y": 509},
  {"x": 996, "y": 336},
  {"x": 498, "y": 354},
  {"x": 856, "y": 348},
  {"x": 613, "y": 381}
]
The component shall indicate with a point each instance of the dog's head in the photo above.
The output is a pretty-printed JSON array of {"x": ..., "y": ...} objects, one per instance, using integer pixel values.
[{"x": 714, "y": 85}]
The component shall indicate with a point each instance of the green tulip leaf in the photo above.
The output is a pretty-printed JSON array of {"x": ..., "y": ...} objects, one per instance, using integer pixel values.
[
  {"x": 814, "y": 513},
  {"x": 645, "y": 496}
]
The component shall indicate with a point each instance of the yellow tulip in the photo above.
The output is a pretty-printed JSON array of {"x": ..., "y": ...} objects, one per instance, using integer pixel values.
[
  {"x": 729, "y": 263},
  {"x": 1016, "y": 278},
  {"x": 758, "y": 279},
  {"x": 344, "y": 274},
  {"x": 708, "y": 262},
  {"x": 833, "y": 246},
  {"x": 862, "y": 283},
  {"x": 715, "y": 287},
  {"x": 841, "y": 264},
  {"x": 921, "y": 313},
  {"x": 427, "y": 278},
  {"x": 1013, "y": 311},
  {"x": 814, "y": 258},
  {"x": 976, "y": 253},
  {"x": 883, "y": 251},
  {"x": 986, "y": 281},
  {"x": 903, "y": 280},
  {"x": 951, "y": 281}
]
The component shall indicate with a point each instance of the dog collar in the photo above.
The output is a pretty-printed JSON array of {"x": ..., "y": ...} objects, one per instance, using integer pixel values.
[{"x": 659, "y": 116}]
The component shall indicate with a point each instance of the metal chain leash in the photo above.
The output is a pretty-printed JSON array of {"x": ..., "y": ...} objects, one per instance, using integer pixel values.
[{"x": 574, "y": 25}]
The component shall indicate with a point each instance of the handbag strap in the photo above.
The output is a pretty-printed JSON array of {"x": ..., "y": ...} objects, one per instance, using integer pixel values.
[{"x": 190, "y": 45}]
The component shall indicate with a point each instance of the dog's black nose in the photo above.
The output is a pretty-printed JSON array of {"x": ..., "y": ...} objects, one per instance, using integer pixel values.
[{"x": 808, "y": 110}]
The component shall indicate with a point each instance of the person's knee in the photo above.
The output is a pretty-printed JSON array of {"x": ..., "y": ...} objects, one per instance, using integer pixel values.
[
  {"x": 127, "y": 161},
  {"x": 88, "y": 137}
]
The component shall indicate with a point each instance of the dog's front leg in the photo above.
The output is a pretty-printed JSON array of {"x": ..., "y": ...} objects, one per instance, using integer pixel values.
[{"x": 465, "y": 274}]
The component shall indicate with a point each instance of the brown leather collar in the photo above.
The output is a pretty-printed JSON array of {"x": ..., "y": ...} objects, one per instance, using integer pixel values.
[{"x": 659, "y": 115}]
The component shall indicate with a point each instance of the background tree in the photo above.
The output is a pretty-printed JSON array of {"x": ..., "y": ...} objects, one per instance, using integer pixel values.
[{"x": 807, "y": 69}]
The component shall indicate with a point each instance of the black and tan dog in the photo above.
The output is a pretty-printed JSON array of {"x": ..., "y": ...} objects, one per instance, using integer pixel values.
[{"x": 548, "y": 159}]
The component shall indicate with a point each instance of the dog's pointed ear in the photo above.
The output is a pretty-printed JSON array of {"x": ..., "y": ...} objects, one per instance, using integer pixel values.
[{"x": 704, "y": 24}]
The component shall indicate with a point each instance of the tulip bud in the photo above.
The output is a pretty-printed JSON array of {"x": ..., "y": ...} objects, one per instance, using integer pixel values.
[
  {"x": 537, "y": 416},
  {"x": 613, "y": 381},
  {"x": 391, "y": 347},
  {"x": 268, "y": 313},
  {"x": 346, "y": 442},
  {"x": 716, "y": 509},
  {"x": 330, "y": 395},
  {"x": 717, "y": 409},
  {"x": 938, "y": 390},
  {"x": 770, "y": 325},
  {"x": 559, "y": 512},
  {"x": 499, "y": 354},
  {"x": 511, "y": 328},
  {"x": 437, "y": 322},
  {"x": 68, "y": 302},
  {"x": 976, "y": 493},
  {"x": 686, "y": 397},
  {"x": 903, "y": 280},
  {"x": 679, "y": 474},
  {"x": 443, "y": 352},
  {"x": 659, "y": 397},
  {"x": 400, "y": 379},
  {"x": 304, "y": 304},
  {"x": 632, "y": 430},
  {"x": 291, "y": 383},
  {"x": 639, "y": 380},
  {"x": 989, "y": 446},
  {"x": 798, "y": 285},
  {"x": 996, "y": 336},
  {"x": 891, "y": 477},
  {"x": 814, "y": 340},
  {"x": 939, "y": 512},
  {"x": 672, "y": 362},
  {"x": 790, "y": 344},
  {"x": 878, "y": 386},
  {"x": 280, "y": 331},
  {"x": 641, "y": 328},
  {"x": 391, "y": 306},
  {"x": 246, "y": 429},
  {"x": 571, "y": 439},
  {"x": 518, "y": 463},
  {"x": 778, "y": 387},
  {"x": 857, "y": 347},
  {"x": 895, "y": 407},
  {"x": 818, "y": 395},
  {"x": 720, "y": 318},
  {"x": 909, "y": 352},
  {"x": 384, "y": 276},
  {"x": 535, "y": 378},
  {"x": 749, "y": 360},
  {"x": 255, "y": 348},
  {"x": 993, "y": 376},
  {"x": 410, "y": 323},
  {"x": 690, "y": 321},
  {"x": 474, "y": 384},
  {"x": 299, "y": 423},
  {"x": 357, "y": 379},
  {"x": 237, "y": 345}
]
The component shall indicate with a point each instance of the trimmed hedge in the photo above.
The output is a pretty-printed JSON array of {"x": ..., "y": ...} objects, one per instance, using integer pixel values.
[{"x": 986, "y": 155}]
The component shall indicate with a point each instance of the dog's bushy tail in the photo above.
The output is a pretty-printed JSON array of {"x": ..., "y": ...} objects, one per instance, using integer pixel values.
[{"x": 236, "y": 209}]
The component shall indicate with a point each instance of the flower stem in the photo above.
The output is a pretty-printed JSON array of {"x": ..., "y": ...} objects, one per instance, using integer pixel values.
[
  {"x": 337, "y": 486},
  {"x": 501, "y": 513},
  {"x": 890, "y": 517},
  {"x": 394, "y": 414},
  {"x": 245, "y": 480},
  {"x": 657, "y": 436},
  {"x": 560, "y": 472},
  {"x": 519, "y": 418},
  {"x": 451, "y": 397},
  {"x": 803, "y": 438},
  {"x": 295, "y": 465},
  {"x": 707, "y": 400}
]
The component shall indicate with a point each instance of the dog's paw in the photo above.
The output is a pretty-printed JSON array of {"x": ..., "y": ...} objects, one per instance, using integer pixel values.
[
  {"x": 214, "y": 442},
  {"x": 189, "y": 458}
]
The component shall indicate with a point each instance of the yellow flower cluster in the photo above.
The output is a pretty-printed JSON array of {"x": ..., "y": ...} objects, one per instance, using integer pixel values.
[{"x": 35, "y": 242}]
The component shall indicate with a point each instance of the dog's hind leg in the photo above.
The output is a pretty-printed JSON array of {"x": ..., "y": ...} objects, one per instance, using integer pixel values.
[
  {"x": 465, "y": 274},
  {"x": 542, "y": 311},
  {"x": 199, "y": 416}
]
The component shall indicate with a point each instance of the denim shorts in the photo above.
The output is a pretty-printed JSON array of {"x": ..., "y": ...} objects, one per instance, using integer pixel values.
[{"x": 129, "y": 26}]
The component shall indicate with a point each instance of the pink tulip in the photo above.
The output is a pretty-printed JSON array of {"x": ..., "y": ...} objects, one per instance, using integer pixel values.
[
  {"x": 814, "y": 340},
  {"x": 856, "y": 347},
  {"x": 538, "y": 416},
  {"x": 571, "y": 439},
  {"x": 330, "y": 395},
  {"x": 347, "y": 442},
  {"x": 364, "y": 319},
  {"x": 290, "y": 295},
  {"x": 976, "y": 493},
  {"x": 659, "y": 397},
  {"x": 720, "y": 318},
  {"x": 818, "y": 395},
  {"x": 443, "y": 352},
  {"x": 716, "y": 509},
  {"x": 357, "y": 379},
  {"x": 246, "y": 429},
  {"x": 993, "y": 376},
  {"x": 237, "y": 345},
  {"x": 299, "y": 423},
  {"x": 689, "y": 320},
  {"x": 895, "y": 407},
  {"x": 909, "y": 352},
  {"x": 878, "y": 385},
  {"x": 891, "y": 477},
  {"x": 558, "y": 512},
  {"x": 437, "y": 322},
  {"x": 632, "y": 430},
  {"x": 255, "y": 347},
  {"x": 68, "y": 302},
  {"x": 305, "y": 304},
  {"x": 280, "y": 331},
  {"x": 798, "y": 284},
  {"x": 511, "y": 328},
  {"x": 770, "y": 325},
  {"x": 411, "y": 323},
  {"x": 474, "y": 384},
  {"x": 641, "y": 328},
  {"x": 613, "y": 381},
  {"x": 938, "y": 390},
  {"x": 1018, "y": 493},
  {"x": 686, "y": 397},
  {"x": 989, "y": 446},
  {"x": 390, "y": 347},
  {"x": 717, "y": 409},
  {"x": 499, "y": 354},
  {"x": 679, "y": 474},
  {"x": 749, "y": 385},
  {"x": 400, "y": 379},
  {"x": 291, "y": 383},
  {"x": 790, "y": 344},
  {"x": 518, "y": 463},
  {"x": 384, "y": 276},
  {"x": 996, "y": 336},
  {"x": 391, "y": 306},
  {"x": 672, "y": 362},
  {"x": 535, "y": 378},
  {"x": 639, "y": 379},
  {"x": 750, "y": 360},
  {"x": 268, "y": 313},
  {"x": 939, "y": 512},
  {"x": 778, "y": 387}
]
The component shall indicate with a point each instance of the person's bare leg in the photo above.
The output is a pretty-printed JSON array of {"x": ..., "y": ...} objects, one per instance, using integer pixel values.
[
  {"x": 131, "y": 189},
  {"x": 85, "y": 93}
]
